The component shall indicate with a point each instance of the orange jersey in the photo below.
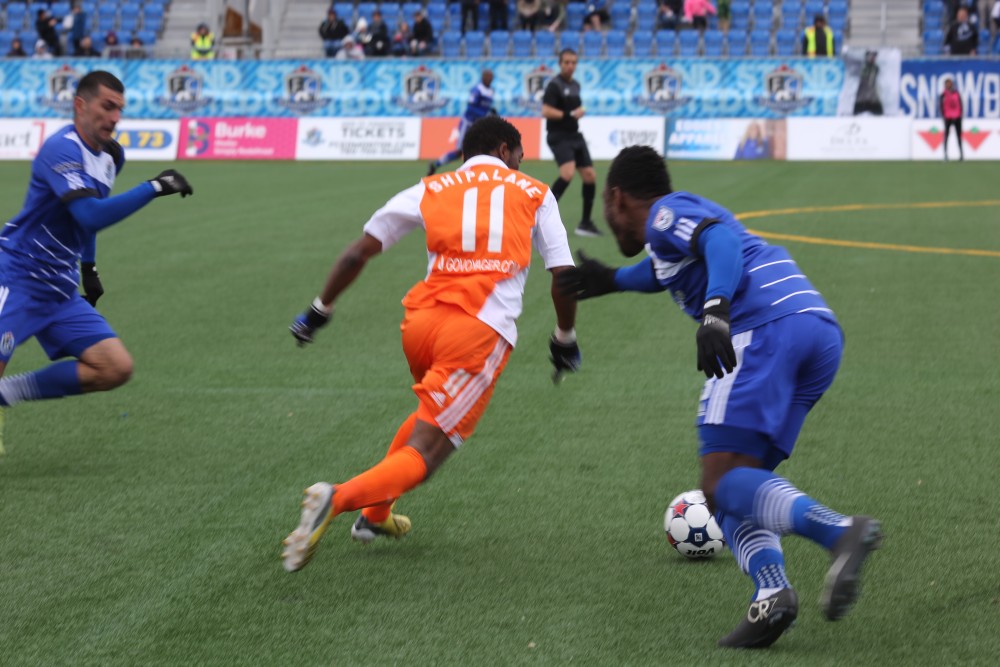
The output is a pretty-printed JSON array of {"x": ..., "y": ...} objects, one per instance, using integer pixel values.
[{"x": 481, "y": 222}]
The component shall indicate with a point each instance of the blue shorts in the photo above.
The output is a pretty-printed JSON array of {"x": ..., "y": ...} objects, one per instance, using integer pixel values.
[
  {"x": 63, "y": 328},
  {"x": 783, "y": 368}
]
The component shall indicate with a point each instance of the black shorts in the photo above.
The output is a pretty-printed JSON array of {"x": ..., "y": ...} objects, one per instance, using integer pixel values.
[
  {"x": 570, "y": 148},
  {"x": 953, "y": 123}
]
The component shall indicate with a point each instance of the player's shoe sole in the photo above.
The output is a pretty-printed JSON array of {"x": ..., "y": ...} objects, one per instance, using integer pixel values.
[
  {"x": 395, "y": 526},
  {"x": 843, "y": 580},
  {"x": 301, "y": 543},
  {"x": 765, "y": 621},
  {"x": 589, "y": 230}
]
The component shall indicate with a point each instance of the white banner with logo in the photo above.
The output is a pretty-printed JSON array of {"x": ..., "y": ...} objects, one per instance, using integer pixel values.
[
  {"x": 358, "y": 139},
  {"x": 149, "y": 139},
  {"x": 727, "y": 139},
  {"x": 21, "y": 139},
  {"x": 980, "y": 140},
  {"x": 857, "y": 138},
  {"x": 607, "y": 135}
]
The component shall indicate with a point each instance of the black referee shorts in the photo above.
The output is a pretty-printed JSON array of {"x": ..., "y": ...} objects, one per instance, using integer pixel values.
[{"x": 570, "y": 148}]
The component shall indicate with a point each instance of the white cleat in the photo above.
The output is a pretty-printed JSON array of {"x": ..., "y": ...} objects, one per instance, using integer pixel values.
[{"x": 301, "y": 543}]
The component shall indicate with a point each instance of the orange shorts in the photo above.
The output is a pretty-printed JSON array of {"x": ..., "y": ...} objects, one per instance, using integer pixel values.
[{"x": 455, "y": 361}]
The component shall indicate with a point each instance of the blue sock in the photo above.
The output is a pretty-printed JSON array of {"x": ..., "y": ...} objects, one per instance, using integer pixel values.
[
  {"x": 772, "y": 503},
  {"x": 55, "y": 381},
  {"x": 759, "y": 554}
]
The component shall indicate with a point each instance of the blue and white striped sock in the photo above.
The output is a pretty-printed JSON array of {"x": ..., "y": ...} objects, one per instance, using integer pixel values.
[
  {"x": 759, "y": 555},
  {"x": 55, "y": 381}
]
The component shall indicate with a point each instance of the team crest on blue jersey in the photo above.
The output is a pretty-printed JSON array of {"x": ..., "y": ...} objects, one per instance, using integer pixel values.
[
  {"x": 534, "y": 88},
  {"x": 61, "y": 89},
  {"x": 302, "y": 91},
  {"x": 185, "y": 90},
  {"x": 784, "y": 88},
  {"x": 662, "y": 90},
  {"x": 7, "y": 344},
  {"x": 664, "y": 218},
  {"x": 421, "y": 91}
]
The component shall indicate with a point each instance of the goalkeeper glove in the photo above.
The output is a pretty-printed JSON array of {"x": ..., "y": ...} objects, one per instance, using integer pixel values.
[
  {"x": 565, "y": 357},
  {"x": 715, "y": 345},
  {"x": 305, "y": 325},
  {"x": 592, "y": 278},
  {"x": 171, "y": 182},
  {"x": 92, "y": 287}
]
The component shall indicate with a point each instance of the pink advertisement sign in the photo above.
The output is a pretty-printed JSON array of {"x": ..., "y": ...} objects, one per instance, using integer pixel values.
[{"x": 238, "y": 139}]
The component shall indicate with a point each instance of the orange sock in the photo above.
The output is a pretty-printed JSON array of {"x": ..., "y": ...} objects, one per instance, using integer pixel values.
[
  {"x": 379, "y": 513},
  {"x": 389, "y": 479}
]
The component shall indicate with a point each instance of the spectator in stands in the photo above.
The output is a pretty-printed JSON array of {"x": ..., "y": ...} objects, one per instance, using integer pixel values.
[
  {"x": 45, "y": 25},
  {"x": 962, "y": 38},
  {"x": 470, "y": 15},
  {"x": 112, "y": 47},
  {"x": 422, "y": 39},
  {"x": 202, "y": 43},
  {"x": 332, "y": 31},
  {"x": 41, "y": 50},
  {"x": 995, "y": 15},
  {"x": 817, "y": 39},
  {"x": 696, "y": 12},
  {"x": 78, "y": 27},
  {"x": 499, "y": 15},
  {"x": 350, "y": 49},
  {"x": 970, "y": 6},
  {"x": 528, "y": 11},
  {"x": 378, "y": 45},
  {"x": 950, "y": 107},
  {"x": 597, "y": 16},
  {"x": 553, "y": 15},
  {"x": 86, "y": 48},
  {"x": 136, "y": 49},
  {"x": 401, "y": 39},
  {"x": 362, "y": 35},
  {"x": 16, "y": 49},
  {"x": 668, "y": 14}
]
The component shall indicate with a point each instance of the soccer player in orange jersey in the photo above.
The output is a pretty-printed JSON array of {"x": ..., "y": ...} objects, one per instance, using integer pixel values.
[{"x": 460, "y": 322}]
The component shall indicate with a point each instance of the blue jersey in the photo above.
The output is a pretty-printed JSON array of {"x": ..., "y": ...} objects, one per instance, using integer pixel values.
[
  {"x": 480, "y": 103},
  {"x": 40, "y": 247},
  {"x": 770, "y": 287}
]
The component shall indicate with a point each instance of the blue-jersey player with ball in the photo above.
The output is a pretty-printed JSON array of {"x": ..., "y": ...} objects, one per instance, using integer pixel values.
[
  {"x": 769, "y": 346},
  {"x": 50, "y": 245}
]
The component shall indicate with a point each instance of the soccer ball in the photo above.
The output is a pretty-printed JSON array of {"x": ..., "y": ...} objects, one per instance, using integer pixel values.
[{"x": 691, "y": 528}]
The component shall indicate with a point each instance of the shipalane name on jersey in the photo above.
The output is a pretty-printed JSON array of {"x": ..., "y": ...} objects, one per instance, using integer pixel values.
[{"x": 469, "y": 176}]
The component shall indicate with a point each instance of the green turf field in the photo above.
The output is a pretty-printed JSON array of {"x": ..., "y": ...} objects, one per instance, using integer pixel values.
[{"x": 142, "y": 527}]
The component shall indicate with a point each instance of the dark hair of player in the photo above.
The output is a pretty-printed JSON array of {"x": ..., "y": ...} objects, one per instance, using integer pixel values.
[
  {"x": 486, "y": 135},
  {"x": 92, "y": 81},
  {"x": 640, "y": 172},
  {"x": 566, "y": 51}
]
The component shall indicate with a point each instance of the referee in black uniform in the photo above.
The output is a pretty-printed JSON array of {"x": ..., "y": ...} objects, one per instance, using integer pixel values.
[{"x": 562, "y": 109}]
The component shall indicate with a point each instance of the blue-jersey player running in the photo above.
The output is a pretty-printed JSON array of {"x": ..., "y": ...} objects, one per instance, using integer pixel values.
[
  {"x": 480, "y": 105},
  {"x": 66, "y": 205},
  {"x": 770, "y": 347}
]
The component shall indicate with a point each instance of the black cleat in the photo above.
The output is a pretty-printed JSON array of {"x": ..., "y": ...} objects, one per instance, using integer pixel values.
[
  {"x": 765, "y": 621},
  {"x": 431, "y": 168},
  {"x": 587, "y": 228},
  {"x": 843, "y": 580}
]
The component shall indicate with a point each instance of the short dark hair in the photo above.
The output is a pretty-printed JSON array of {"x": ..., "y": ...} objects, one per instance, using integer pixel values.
[
  {"x": 487, "y": 134},
  {"x": 640, "y": 172},
  {"x": 90, "y": 83},
  {"x": 564, "y": 52}
]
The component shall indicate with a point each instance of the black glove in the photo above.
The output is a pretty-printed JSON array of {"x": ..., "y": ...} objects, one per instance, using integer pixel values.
[
  {"x": 564, "y": 356},
  {"x": 171, "y": 182},
  {"x": 305, "y": 325},
  {"x": 117, "y": 153},
  {"x": 92, "y": 287},
  {"x": 715, "y": 345},
  {"x": 590, "y": 279}
]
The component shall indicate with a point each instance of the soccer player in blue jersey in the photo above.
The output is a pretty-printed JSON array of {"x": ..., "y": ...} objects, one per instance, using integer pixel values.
[
  {"x": 67, "y": 203},
  {"x": 480, "y": 105},
  {"x": 769, "y": 346}
]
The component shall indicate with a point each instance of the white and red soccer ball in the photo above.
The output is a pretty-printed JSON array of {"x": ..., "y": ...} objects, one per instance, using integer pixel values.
[{"x": 691, "y": 528}]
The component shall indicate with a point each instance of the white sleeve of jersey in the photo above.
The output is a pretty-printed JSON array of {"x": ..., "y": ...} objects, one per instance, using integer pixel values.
[
  {"x": 549, "y": 237},
  {"x": 400, "y": 216}
]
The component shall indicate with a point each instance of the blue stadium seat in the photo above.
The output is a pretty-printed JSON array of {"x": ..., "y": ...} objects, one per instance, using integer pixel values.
[
  {"x": 575, "y": 11},
  {"x": 345, "y": 12},
  {"x": 933, "y": 37},
  {"x": 129, "y": 9},
  {"x": 499, "y": 43},
  {"x": 840, "y": 7},
  {"x": 739, "y": 22},
  {"x": 666, "y": 43},
  {"x": 689, "y": 43},
  {"x": 593, "y": 43},
  {"x": 569, "y": 39},
  {"x": 813, "y": 8},
  {"x": 148, "y": 37},
  {"x": 59, "y": 9},
  {"x": 646, "y": 22},
  {"x": 838, "y": 22},
  {"x": 521, "y": 46},
  {"x": 474, "y": 42},
  {"x": 763, "y": 14},
  {"x": 108, "y": 9},
  {"x": 785, "y": 42},
  {"x": 933, "y": 49},
  {"x": 451, "y": 44},
  {"x": 128, "y": 25},
  {"x": 932, "y": 21},
  {"x": 996, "y": 46},
  {"x": 15, "y": 15},
  {"x": 615, "y": 43},
  {"x": 545, "y": 43},
  {"x": 736, "y": 42},
  {"x": 484, "y": 17},
  {"x": 984, "y": 41},
  {"x": 436, "y": 14},
  {"x": 366, "y": 9},
  {"x": 621, "y": 14},
  {"x": 739, "y": 7},
  {"x": 407, "y": 8},
  {"x": 106, "y": 23},
  {"x": 760, "y": 43},
  {"x": 713, "y": 43},
  {"x": 642, "y": 43},
  {"x": 154, "y": 23}
]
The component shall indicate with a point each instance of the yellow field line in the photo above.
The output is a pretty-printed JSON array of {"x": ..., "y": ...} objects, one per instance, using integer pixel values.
[{"x": 749, "y": 215}]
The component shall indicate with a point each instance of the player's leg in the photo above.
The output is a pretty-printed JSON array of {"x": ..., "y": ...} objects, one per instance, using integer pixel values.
[
  {"x": 947, "y": 133},
  {"x": 958, "y": 135},
  {"x": 589, "y": 190},
  {"x": 451, "y": 155},
  {"x": 563, "y": 153},
  {"x": 376, "y": 514}
]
